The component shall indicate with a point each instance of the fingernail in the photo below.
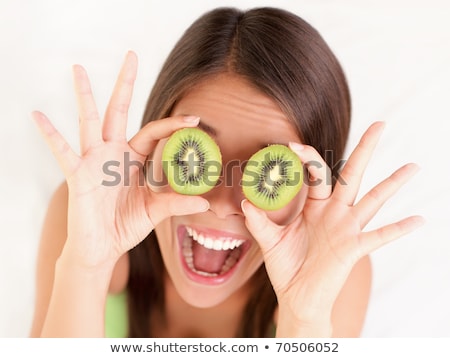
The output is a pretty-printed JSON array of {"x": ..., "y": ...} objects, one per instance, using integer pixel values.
[
  {"x": 41, "y": 122},
  {"x": 36, "y": 115},
  {"x": 205, "y": 206},
  {"x": 242, "y": 205},
  {"x": 420, "y": 220},
  {"x": 77, "y": 68},
  {"x": 414, "y": 168},
  {"x": 191, "y": 119},
  {"x": 297, "y": 147}
]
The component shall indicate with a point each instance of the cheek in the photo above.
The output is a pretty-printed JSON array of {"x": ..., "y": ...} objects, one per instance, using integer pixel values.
[
  {"x": 166, "y": 241},
  {"x": 286, "y": 215},
  {"x": 154, "y": 175}
]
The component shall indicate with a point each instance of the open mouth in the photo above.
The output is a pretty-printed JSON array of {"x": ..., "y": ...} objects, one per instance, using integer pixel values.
[{"x": 210, "y": 256}]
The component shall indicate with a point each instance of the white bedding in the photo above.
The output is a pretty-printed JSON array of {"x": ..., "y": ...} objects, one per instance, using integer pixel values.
[{"x": 396, "y": 55}]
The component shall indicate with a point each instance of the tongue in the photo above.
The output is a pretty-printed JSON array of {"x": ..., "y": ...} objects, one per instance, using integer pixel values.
[{"x": 208, "y": 260}]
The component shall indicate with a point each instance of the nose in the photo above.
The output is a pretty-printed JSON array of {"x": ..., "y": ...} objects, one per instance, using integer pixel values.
[{"x": 225, "y": 198}]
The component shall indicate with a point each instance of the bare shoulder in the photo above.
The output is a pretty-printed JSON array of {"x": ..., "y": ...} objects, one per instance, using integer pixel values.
[
  {"x": 53, "y": 238},
  {"x": 350, "y": 309}
]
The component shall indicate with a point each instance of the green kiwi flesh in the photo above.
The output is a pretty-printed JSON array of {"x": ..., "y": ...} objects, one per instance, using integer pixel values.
[
  {"x": 192, "y": 161},
  {"x": 272, "y": 177}
]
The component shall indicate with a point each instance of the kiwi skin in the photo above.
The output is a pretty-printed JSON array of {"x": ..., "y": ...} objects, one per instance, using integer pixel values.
[
  {"x": 192, "y": 161},
  {"x": 272, "y": 177}
]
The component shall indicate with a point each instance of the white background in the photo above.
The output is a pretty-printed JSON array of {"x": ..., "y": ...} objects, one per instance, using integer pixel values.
[{"x": 396, "y": 55}]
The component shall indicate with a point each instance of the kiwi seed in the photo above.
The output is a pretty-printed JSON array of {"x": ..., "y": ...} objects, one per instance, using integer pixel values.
[
  {"x": 272, "y": 177},
  {"x": 192, "y": 161}
]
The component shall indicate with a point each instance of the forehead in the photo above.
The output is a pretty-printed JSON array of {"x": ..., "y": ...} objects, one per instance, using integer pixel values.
[{"x": 230, "y": 107}]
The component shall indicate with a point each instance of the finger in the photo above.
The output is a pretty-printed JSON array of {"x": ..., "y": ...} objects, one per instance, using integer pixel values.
[
  {"x": 347, "y": 188},
  {"x": 369, "y": 205},
  {"x": 146, "y": 139},
  {"x": 171, "y": 204},
  {"x": 115, "y": 123},
  {"x": 319, "y": 175},
  {"x": 90, "y": 124},
  {"x": 372, "y": 240},
  {"x": 67, "y": 159},
  {"x": 265, "y": 232}
]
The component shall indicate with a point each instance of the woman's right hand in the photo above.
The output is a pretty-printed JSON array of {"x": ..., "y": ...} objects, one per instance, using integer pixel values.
[{"x": 107, "y": 218}]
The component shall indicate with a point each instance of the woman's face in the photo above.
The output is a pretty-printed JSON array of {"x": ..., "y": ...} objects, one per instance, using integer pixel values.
[{"x": 242, "y": 120}]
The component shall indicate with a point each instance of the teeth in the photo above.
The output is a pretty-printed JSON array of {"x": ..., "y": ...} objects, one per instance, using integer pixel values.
[
  {"x": 200, "y": 239},
  {"x": 222, "y": 243},
  {"x": 230, "y": 261},
  {"x": 209, "y": 243},
  {"x": 217, "y": 245},
  {"x": 189, "y": 258}
]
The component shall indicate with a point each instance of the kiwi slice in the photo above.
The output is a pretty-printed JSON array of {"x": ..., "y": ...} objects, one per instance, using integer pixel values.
[
  {"x": 192, "y": 161},
  {"x": 272, "y": 177}
]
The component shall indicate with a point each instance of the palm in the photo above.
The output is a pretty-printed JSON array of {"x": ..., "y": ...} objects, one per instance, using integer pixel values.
[
  {"x": 111, "y": 209},
  {"x": 326, "y": 252},
  {"x": 92, "y": 189}
]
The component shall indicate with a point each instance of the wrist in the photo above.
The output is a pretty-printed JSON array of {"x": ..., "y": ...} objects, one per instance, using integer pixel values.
[
  {"x": 68, "y": 265},
  {"x": 87, "y": 260},
  {"x": 309, "y": 323}
]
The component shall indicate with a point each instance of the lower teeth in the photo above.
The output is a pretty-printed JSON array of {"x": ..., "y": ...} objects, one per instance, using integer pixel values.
[{"x": 189, "y": 258}]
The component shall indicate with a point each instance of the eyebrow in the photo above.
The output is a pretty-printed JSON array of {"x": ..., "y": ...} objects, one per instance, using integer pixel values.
[{"x": 208, "y": 129}]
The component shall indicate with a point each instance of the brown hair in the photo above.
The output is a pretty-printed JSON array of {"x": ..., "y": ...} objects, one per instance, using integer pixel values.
[{"x": 285, "y": 58}]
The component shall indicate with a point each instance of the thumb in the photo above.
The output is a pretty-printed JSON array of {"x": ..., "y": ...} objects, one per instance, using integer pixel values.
[
  {"x": 171, "y": 204},
  {"x": 265, "y": 231}
]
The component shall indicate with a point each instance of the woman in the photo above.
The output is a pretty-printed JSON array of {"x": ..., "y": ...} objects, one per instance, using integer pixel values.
[{"x": 248, "y": 79}]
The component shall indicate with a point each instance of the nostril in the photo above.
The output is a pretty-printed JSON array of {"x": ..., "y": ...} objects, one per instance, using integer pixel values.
[{"x": 225, "y": 201}]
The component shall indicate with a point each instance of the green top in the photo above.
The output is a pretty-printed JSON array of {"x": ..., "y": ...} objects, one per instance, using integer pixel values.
[{"x": 116, "y": 316}]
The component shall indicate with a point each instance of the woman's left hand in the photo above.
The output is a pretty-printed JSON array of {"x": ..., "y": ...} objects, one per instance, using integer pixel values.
[{"x": 309, "y": 260}]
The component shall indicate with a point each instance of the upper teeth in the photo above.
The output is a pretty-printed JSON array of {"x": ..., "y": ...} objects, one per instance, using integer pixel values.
[{"x": 221, "y": 243}]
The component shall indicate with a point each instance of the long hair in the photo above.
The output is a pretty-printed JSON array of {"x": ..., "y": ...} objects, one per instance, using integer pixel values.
[{"x": 288, "y": 60}]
